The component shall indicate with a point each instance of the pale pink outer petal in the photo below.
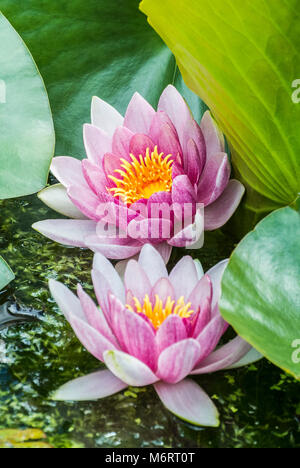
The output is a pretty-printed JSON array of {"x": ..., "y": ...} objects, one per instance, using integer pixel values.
[
  {"x": 136, "y": 280},
  {"x": 66, "y": 231},
  {"x": 94, "y": 386},
  {"x": 225, "y": 356},
  {"x": 96, "y": 143},
  {"x": 193, "y": 132},
  {"x": 201, "y": 292},
  {"x": 68, "y": 171},
  {"x": 219, "y": 212},
  {"x": 56, "y": 198},
  {"x": 66, "y": 300},
  {"x": 214, "y": 179},
  {"x": 95, "y": 315},
  {"x": 184, "y": 277},
  {"x": 102, "y": 265},
  {"x": 110, "y": 248},
  {"x": 139, "y": 115},
  {"x": 135, "y": 335},
  {"x": 129, "y": 369},
  {"x": 176, "y": 108},
  {"x": 92, "y": 340},
  {"x": 215, "y": 273},
  {"x": 188, "y": 402},
  {"x": 252, "y": 356},
  {"x": 152, "y": 263},
  {"x": 85, "y": 200},
  {"x": 95, "y": 177},
  {"x": 102, "y": 290},
  {"x": 165, "y": 251},
  {"x": 104, "y": 116},
  {"x": 177, "y": 361},
  {"x": 171, "y": 331},
  {"x": 214, "y": 138}
]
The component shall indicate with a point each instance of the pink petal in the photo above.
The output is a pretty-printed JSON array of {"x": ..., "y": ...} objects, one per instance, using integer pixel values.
[
  {"x": 214, "y": 179},
  {"x": 105, "y": 116},
  {"x": 189, "y": 402},
  {"x": 68, "y": 171},
  {"x": 102, "y": 290},
  {"x": 152, "y": 263},
  {"x": 210, "y": 336},
  {"x": 165, "y": 251},
  {"x": 168, "y": 142},
  {"x": 184, "y": 277},
  {"x": 171, "y": 331},
  {"x": 139, "y": 115},
  {"x": 193, "y": 132},
  {"x": 176, "y": 108},
  {"x": 159, "y": 119},
  {"x": 136, "y": 280},
  {"x": 191, "y": 235},
  {"x": 183, "y": 192},
  {"x": 95, "y": 177},
  {"x": 129, "y": 369},
  {"x": 139, "y": 145},
  {"x": 225, "y": 356},
  {"x": 94, "y": 386},
  {"x": 66, "y": 231},
  {"x": 151, "y": 229},
  {"x": 134, "y": 334},
  {"x": 163, "y": 289},
  {"x": 178, "y": 360},
  {"x": 214, "y": 138},
  {"x": 92, "y": 340},
  {"x": 219, "y": 212},
  {"x": 67, "y": 301},
  {"x": 121, "y": 142},
  {"x": 201, "y": 298},
  {"x": 85, "y": 200},
  {"x": 191, "y": 162},
  {"x": 102, "y": 265},
  {"x": 95, "y": 316},
  {"x": 110, "y": 164},
  {"x": 57, "y": 199},
  {"x": 215, "y": 274},
  {"x": 96, "y": 143}
]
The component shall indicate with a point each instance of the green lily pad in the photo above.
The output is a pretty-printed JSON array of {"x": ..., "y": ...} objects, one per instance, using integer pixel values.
[
  {"x": 6, "y": 275},
  {"x": 92, "y": 48},
  {"x": 242, "y": 59},
  {"x": 261, "y": 289},
  {"x": 27, "y": 135}
]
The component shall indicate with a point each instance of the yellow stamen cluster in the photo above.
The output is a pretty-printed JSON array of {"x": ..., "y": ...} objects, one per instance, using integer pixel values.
[
  {"x": 158, "y": 312},
  {"x": 143, "y": 177}
]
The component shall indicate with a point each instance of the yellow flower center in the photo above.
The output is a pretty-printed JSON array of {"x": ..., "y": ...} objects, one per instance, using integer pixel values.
[
  {"x": 143, "y": 176},
  {"x": 158, "y": 312}
]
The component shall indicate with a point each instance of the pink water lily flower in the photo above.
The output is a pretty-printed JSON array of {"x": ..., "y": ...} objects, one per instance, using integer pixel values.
[
  {"x": 145, "y": 159},
  {"x": 152, "y": 328}
]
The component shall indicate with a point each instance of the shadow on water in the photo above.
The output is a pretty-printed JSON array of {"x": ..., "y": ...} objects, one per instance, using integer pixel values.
[{"x": 259, "y": 405}]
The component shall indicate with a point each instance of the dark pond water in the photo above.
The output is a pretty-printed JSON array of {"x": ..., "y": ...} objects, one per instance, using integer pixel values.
[{"x": 259, "y": 405}]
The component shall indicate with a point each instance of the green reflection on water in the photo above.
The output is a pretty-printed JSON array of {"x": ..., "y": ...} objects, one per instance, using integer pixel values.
[{"x": 259, "y": 405}]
